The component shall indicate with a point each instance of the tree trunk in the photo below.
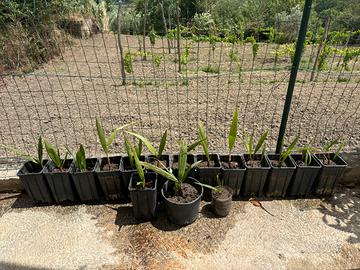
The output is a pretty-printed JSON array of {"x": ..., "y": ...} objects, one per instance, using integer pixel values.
[
  {"x": 122, "y": 66},
  {"x": 144, "y": 28},
  {"x": 178, "y": 34},
  {"x": 321, "y": 45},
  {"x": 169, "y": 20},
  {"x": 165, "y": 26}
]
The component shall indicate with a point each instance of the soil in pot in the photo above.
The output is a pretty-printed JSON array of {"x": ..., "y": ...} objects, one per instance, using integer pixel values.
[
  {"x": 207, "y": 164},
  {"x": 110, "y": 178},
  {"x": 221, "y": 201},
  {"x": 230, "y": 165},
  {"x": 187, "y": 194}
]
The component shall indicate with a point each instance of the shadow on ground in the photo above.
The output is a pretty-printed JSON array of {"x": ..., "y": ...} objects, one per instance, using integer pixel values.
[
  {"x": 343, "y": 213},
  {"x": 14, "y": 266}
]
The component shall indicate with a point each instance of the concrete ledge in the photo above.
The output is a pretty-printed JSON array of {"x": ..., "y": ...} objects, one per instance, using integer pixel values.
[{"x": 352, "y": 172}]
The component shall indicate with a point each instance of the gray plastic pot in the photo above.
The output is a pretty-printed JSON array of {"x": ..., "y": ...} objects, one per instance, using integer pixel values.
[
  {"x": 110, "y": 180},
  {"x": 34, "y": 183},
  {"x": 208, "y": 175},
  {"x": 255, "y": 177},
  {"x": 304, "y": 177},
  {"x": 279, "y": 177},
  {"x": 233, "y": 177},
  {"x": 182, "y": 213},
  {"x": 329, "y": 175},
  {"x": 60, "y": 183},
  {"x": 85, "y": 182},
  {"x": 221, "y": 206},
  {"x": 144, "y": 200}
]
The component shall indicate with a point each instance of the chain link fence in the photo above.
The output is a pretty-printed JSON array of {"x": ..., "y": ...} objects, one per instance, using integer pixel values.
[{"x": 59, "y": 96}]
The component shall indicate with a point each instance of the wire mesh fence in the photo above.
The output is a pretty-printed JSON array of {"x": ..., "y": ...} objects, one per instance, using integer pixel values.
[{"x": 60, "y": 98}]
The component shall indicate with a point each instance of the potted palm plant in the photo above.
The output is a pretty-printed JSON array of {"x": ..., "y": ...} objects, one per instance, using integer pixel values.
[
  {"x": 307, "y": 169},
  {"x": 157, "y": 156},
  {"x": 282, "y": 170},
  {"x": 30, "y": 174},
  {"x": 209, "y": 164},
  {"x": 221, "y": 198},
  {"x": 142, "y": 188},
  {"x": 332, "y": 168},
  {"x": 108, "y": 171},
  {"x": 232, "y": 166},
  {"x": 257, "y": 165},
  {"x": 82, "y": 171},
  {"x": 180, "y": 193},
  {"x": 56, "y": 173}
]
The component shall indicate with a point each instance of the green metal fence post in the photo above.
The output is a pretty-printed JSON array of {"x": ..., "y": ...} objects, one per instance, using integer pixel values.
[{"x": 293, "y": 74}]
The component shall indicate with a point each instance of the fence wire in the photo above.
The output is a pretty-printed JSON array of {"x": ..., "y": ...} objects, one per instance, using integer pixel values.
[{"x": 60, "y": 98}]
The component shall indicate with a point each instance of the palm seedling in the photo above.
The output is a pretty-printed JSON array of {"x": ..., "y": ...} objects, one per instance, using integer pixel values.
[
  {"x": 54, "y": 155},
  {"x": 107, "y": 142},
  {"x": 306, "y": 154},
  {"x": 136, "y": 163},
  {"x": 233, "y": 132},
  {"x": 183, "y": 168},
  {"x": 283, "y": 155},
  {"x": 37, "y": 160},
  {"x": 132, "y": 152},
  {"x": 252, "y": 149},
  {"x": 157, "y": 153},
  {"x": 327, "y": 148}
]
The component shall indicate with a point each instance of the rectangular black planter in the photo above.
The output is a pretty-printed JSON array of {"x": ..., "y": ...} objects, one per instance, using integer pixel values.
[
  {"x": 85, "y": 182},
  {"x": 126, "y": 172},
  {"x": 61, "y": 184},
  {"x": 110, "y": 180},
  {"x": 191, "y": 159},
  {"x": 329, "y": 175},
  {"x": 208, "y": 175},
  {"x": 143, "y": 200},
  {"x": 233, "y": 177},
  {"x": 279, "y": 177},
  {"x": 304, "y": 177},
  {"x": 166, "y": 160},
  {"x": 35, "y": 183},
  {"x": 255, "y": 177}
]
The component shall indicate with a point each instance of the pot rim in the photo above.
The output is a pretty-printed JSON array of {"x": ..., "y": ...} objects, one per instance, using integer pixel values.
[{"x": 189, "y": 203}]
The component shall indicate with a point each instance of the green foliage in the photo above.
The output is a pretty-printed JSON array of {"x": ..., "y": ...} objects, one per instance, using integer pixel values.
[
  {"x": 106, "y": 142},
  {"x": 152, "y": 37},
  {"x": 251, "y": 148},
  {"x": 156, "y": 58},
  {"x": 128, "y": 60},
  {"x": 325, "y": 52},
  {"x": 254, "y": 45},
  {"x": 203, "y": 24},
  {"x": 54, "y": 155},
  {"x": 306, "y": 154},
  {"x": 80, "y": 159},
  {"x": 183, "y": 168},
  {"x": 349, "y": 54},
  {"x": 37, "y": 160},
  {"x": 204, "y": 140},
  {"x": 329, "y": 145},
  {"x": 210, "y": 69},
  {"x": 285, "y": 154},
  {"x": 131, "y": 151},
  {"x": 233, "y": 132},
  {"x": 185, "y": 55},
  {"x": 233, "y": 55}
]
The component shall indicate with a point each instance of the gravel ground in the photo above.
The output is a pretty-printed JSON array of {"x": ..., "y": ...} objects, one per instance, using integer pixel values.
[
  {"x": 302, "y": 234},
  {"x": 62, "y": 98}
]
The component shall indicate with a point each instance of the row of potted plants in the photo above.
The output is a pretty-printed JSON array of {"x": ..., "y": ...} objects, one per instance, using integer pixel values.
[{"x": 178, "y": 179}]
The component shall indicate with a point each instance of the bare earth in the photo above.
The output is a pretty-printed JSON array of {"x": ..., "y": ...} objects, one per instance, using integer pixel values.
[
  {"x": 303, "y": 234},
  {"x": 62, "y": 98}
]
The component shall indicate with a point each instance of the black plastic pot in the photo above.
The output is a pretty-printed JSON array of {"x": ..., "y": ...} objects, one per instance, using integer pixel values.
[
  {"x": 329, "y": 174},
  {"x": 143, "y": 200},
  {"x": 304, "y": 177},
  {"x": 166, "y": 159},
  {"x": 191, "y": 159},
  {"x": 255, "y": 177},
  {"x": 126, "y": 173},
  {"x": 182, "y": 213},
  {"x": 233, "y": 177},
  {"x": 279, "y": 177},
  {"x": 110, "y": 180},
  {"x": 34, "y": 183},
  {"x": 222, "y": 206},
  {"x": 60, "y": 183},
  {"x": 85, "y": 182},
  {"x": 208, "y": 175}
]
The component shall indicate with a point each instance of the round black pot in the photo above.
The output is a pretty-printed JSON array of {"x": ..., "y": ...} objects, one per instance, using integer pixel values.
[
  {"x": 182, "y": 213},
  {"x": 222, "y": 207}
]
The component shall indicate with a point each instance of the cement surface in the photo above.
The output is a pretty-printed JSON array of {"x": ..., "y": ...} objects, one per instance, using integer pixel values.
[{"x": 302, "y": 234}]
